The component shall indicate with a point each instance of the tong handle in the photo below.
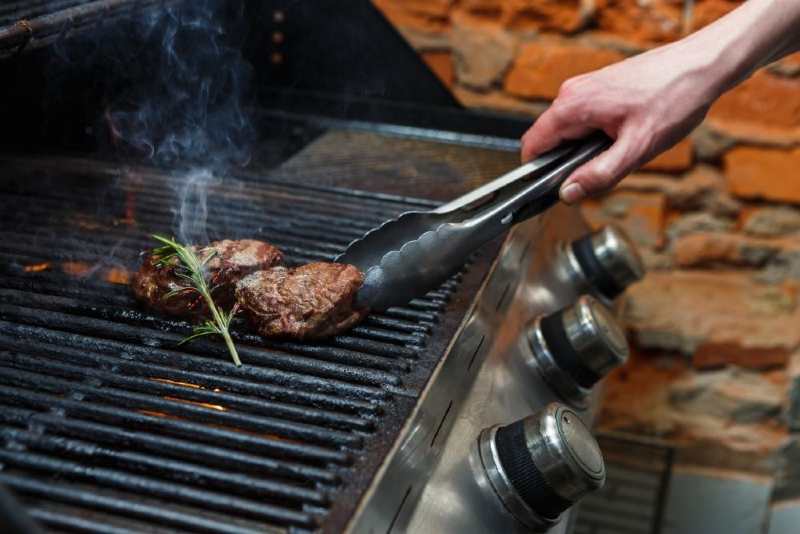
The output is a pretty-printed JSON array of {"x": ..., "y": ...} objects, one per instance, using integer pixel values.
[
  {"x": 544, "y": 193},
  {"x": 525, "y": 198}
]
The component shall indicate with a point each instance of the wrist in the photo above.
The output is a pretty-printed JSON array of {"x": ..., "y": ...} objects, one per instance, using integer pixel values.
[{"x": 704, "y": 66}]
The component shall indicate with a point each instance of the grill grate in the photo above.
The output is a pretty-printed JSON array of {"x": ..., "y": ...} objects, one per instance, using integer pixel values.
[
  {"x": 13, "y": 11},
  {"x": 106, "y": 425},
  {"x": 30, "y": 24}
]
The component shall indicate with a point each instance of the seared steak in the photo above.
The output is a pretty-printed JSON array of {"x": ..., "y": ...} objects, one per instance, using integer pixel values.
[
  {"x": 232, "y": 260},
  {"x": 312, "y": 301}
]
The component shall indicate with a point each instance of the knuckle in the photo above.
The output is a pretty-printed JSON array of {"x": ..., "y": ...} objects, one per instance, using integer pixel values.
[
  {"x": 554, "y": 116},
  {"x": 569, "y": 87}
]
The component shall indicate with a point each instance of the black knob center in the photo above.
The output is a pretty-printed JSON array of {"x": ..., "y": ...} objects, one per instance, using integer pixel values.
[{"x": 569, "y": 359}]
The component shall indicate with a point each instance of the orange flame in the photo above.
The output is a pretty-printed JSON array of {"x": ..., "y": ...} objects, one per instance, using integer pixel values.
[
  {"x": 76, "y": 268},
  {"x": 36, "y": 267},
  {"x": 177, "y": 383},
  {"x": 117, "y": 275},
  {"x": 196, "y": 403}
]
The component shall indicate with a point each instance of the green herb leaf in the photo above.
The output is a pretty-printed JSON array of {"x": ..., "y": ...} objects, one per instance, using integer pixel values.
[{"x": 192, "y": 271}]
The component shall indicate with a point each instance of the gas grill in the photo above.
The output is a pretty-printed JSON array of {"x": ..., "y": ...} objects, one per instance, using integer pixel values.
[
  {"x": 108, "y": 424},
  {"x": 96, "y": 392}
]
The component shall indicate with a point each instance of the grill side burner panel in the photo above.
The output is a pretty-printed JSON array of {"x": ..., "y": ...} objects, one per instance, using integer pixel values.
[{"x": 106, "y": 423}]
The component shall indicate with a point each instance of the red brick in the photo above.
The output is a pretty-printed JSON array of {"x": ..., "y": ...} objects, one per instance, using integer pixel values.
[
  {"x": 483, "y": 8},
  {"x": 765, "y": 108},
  {"x": 707, "y": 11},
  {"x": 793, "y": 60},
  {"x": 655, "y": 21},
  {"x": 677, "y": 158},
  {"x": 542, "y": 66},
  {"x": 441, "y": 63},
  {"x": 423, "y": 15},
  {"x": 566, "y": 16},
  {"x": 770, "y": 173},
  {"x": 713, "y": 355}
]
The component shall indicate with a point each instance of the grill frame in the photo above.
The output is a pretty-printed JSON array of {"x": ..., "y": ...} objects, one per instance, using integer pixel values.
[{"x": 399, "y": 397}]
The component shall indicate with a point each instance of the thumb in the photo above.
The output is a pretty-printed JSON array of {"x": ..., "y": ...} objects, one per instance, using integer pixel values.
[{"x": 602, "y": 172}]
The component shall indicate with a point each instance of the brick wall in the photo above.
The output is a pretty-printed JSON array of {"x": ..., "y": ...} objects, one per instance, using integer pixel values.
[{"x": 716, "y": 323}]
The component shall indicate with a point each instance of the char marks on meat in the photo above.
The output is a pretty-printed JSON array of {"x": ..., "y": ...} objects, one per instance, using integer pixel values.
[
  {"x": 231, "y": 261},
  {"x": 307, "y": 302}
]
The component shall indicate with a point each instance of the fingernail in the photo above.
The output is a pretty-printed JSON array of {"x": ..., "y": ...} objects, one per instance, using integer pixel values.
[{"x": 572, "y": 193}]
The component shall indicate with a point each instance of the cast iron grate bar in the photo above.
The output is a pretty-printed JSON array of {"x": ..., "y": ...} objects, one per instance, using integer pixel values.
[
  {"x": 107, "y": 425},
  {"x": 33, "y": 24}
]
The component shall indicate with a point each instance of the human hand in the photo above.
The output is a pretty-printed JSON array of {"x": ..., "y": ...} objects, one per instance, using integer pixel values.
[{"x": 646, "y": 103}]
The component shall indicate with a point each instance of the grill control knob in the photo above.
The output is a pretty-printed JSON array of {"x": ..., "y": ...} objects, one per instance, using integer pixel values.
[
  {"x": 541, "y": 465},
  {"x": 576, "y": 347},
  {"x": 606, "y": 261}
]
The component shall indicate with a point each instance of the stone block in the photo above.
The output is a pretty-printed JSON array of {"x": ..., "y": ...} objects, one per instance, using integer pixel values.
[
  {"x": 482, "y": 53},
  {"x": 640, "y": 214},
  {"x": 702, "y": 188},
  {"x": 697, "y": 222},
  {"x": 707, "y": 248},
  {"x": 772, "y": 221},
  {"x": 715, "y": 317}
]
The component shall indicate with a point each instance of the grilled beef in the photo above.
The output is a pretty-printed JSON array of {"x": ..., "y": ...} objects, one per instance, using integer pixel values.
[
  {"x": 231, "y": 261},
  {"x": 307, "y": 302}
]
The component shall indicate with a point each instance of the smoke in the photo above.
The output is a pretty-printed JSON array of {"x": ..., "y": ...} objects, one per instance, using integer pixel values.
[
  {"x": 192, "y": 213},
  {"x": 185, "y": 110}
]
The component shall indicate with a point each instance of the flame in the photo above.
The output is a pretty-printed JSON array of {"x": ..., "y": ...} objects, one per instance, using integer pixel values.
[
  {"x": 76, "y": 268},
  {"x": 196, "y": 403},
  {"x": 185, "y": 401},
  {"x": 117, "y": 275},
  {"x": 177, "y": 383},
  {"x": 36, "y": 267}
]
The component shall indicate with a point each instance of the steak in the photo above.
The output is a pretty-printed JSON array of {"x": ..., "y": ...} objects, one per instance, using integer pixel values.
[
  {"x": 231, "y": 261},
  {"x": 307, "y": 302}
]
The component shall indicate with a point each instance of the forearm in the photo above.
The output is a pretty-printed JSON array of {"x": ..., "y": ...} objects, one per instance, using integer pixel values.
[{"x": 751, "y": 36}]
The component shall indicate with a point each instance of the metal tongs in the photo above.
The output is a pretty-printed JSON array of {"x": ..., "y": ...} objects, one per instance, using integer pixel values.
[{"x": 406, "y": 257}]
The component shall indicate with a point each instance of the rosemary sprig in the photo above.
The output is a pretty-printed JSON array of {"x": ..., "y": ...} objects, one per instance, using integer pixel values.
[{"x": 193, "y": 274}]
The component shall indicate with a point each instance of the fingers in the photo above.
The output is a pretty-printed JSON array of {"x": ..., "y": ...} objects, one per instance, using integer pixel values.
[
  {"x": 603, "y": 172},
  {"x": 552, "y": 127}
]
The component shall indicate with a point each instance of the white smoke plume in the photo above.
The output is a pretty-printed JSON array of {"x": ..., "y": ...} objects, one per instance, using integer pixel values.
[{"x": 189, "y": 112}]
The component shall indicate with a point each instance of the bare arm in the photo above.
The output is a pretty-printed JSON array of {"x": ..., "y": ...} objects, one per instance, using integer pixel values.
[{"x": 649, "y": 102}]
